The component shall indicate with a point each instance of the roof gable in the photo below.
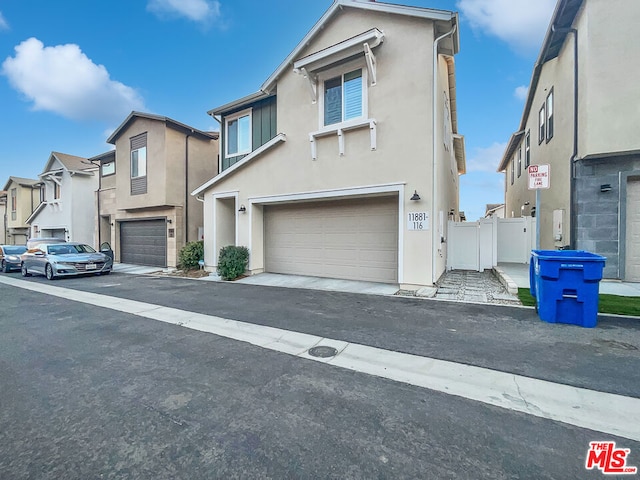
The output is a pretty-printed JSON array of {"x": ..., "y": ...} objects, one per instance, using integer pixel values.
[
  {"x": 133, "y": 116},
  {"x": 68, "y": 162},
  {"x": 24, "y": 182}
]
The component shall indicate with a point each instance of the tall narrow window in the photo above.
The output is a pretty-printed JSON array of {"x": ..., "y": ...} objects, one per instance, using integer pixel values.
[
  {"x": 139, "y": 162},
  {"x": 513, "y": 170},
  {"x": 541, "y": 125},
  {"x": 519, "y": 161},
  {"x": 14, "y": 203},
  {"x": 239, "y": 135},
  {"x": 343, "y": 98},
  {"x": 527, "y": 150},
  {"x": 549, "y": 105},
  {"x": 56, "y": 191}
]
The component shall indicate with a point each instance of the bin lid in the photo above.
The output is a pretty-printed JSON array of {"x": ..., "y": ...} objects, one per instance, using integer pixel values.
[{"x": 568, "y": 255}]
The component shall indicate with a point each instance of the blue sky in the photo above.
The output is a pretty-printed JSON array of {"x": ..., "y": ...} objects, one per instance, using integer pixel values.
[{"x": 72, "y": 70}]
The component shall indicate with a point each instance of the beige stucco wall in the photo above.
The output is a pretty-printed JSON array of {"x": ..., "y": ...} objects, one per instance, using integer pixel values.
[
  {"x": 27, "y": 200},
  {"x": 607, "y": 86},
  {"x": 168, "y": 190},
  {"x": 401, "y": 104}
]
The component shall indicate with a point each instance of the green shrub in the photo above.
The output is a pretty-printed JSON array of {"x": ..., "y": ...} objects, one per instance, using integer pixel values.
[
  {"x": 232, "y": 262},
  {"x": 191, "y": 254}
]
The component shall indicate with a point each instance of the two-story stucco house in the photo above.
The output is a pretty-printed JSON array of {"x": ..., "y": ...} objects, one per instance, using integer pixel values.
[
  {"x": 67, "y": 209},
  {"x": 345, "y": 163},
  {"x": 581, "y": 118},
  {"x": 21, "y": 198},
  {"x": 145, "y": 208}
]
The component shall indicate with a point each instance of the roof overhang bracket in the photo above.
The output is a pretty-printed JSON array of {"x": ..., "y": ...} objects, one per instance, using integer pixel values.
[
  {"x": 312, "y": 81},
  {"x": 371, "y": 64}
]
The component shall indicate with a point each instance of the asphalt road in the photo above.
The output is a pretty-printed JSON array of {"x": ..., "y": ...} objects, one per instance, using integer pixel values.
[{"x": 88, "y": 392}]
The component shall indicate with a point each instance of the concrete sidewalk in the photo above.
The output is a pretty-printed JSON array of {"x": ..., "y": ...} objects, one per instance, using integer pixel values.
[{"x": 518, "y": 274}]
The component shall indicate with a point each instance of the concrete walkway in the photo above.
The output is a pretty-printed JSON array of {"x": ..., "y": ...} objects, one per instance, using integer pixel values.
[
  {"x": 474, "y": 287},
  {"x": 518, "y": 273}
]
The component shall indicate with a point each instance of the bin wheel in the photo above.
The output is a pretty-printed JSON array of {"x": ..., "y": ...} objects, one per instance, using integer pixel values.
[{"x": 536, "y": 306}]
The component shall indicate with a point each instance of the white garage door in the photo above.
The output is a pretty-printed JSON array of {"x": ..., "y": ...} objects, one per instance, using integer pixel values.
[
  {"x": 350, "y": 239},
  {"x": 632, "y": 264}
]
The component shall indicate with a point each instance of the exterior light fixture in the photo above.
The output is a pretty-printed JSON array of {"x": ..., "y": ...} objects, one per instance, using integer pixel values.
[
  {"x": 606, "y": 187},
  {"x": 242, "y": 209},
  {"x": 169, "y": 221},
  {"x": 415, "y": 196}
]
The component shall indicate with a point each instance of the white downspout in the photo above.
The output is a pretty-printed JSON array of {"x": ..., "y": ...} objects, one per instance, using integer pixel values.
[{"x": 434, "y": 189}]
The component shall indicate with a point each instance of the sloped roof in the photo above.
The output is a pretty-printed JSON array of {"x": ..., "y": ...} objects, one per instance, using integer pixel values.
[
  {"x": 71, "y": 163},
  {"x": 25, "y": 182},
  {"x": 182, "y": 127},
  {"x": 448, "y": 18}
]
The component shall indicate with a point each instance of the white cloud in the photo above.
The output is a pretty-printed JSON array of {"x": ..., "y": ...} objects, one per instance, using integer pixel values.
[
  {"x": 195, "y": 10},
  {"x": 521, "y": 92},
  {"x": 63, "y": 80},
  {"x": 520, "y": 23},
  {"x": 3, "y": 23},
  {"x": 486, "y": 159}
]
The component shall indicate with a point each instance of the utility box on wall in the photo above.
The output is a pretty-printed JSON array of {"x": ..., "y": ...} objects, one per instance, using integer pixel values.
[{"x": 558, "y": 225}]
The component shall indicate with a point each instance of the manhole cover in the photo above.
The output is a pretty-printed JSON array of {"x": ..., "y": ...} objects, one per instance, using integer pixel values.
[{"x": 323, "y": 352}]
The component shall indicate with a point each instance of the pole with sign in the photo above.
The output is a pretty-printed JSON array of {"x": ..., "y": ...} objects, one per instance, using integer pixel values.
[{"x": 539, "y": 178}]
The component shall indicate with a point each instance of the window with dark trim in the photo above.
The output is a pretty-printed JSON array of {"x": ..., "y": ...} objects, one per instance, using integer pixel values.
[
  {"x": 513, "y": 170},
  {"x": 108, "y": 168},
  {"x": 519, "y": 161},
  {"x": 527, "y": 150},
  {"x": 56, "y": 191},
  {"x": 549, "y": 113},
  {"x": 138, "y": 165},
  {"x": 541, "y": 125}
]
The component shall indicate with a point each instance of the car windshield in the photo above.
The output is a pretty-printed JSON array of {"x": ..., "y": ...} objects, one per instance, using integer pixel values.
[
  {"x": 63, "y": 249},
  {"x": 14, "y": 250}
]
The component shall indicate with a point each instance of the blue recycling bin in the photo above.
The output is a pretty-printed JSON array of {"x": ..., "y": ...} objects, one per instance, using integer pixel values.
[{"x": 565, "y": 284}]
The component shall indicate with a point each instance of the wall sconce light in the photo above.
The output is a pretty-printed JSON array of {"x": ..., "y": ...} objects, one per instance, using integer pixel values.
[
  {"x": 415, "y": 196},
  {"x": 242, "y": 209},
  {"x": 112, "y": 224},
  {"x": 606, "y": 187},
  {"x": 169, "y": 221},
  {"x": 526, "y": 203}
]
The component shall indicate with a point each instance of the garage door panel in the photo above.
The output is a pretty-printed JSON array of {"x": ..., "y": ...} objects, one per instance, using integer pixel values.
[
  {"x": 354, "y": 239},
  {"x": 632, "y": 242},
  {"x": 144, "y": 242}
]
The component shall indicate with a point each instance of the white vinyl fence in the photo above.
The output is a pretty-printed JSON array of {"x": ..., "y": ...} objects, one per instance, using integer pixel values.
[{"x": 483, "y": 244}]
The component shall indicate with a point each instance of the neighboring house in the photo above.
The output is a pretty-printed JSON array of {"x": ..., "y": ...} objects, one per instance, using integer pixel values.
[
  {"x": 581, "y": 117},
  {"x": 145, "y": 208},
  {"x": 494, "y": 210},
  {"x": 345, "y": 164},
  {"x": 67, "y": 209},
  {"x": 22, "y": 198},
  {"x": 3, "y": 214}
]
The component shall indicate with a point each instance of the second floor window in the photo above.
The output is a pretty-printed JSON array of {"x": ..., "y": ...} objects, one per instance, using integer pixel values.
[
  {"x": 108, "y": 168},
  {"x": 513, "y": 170},
  {"x": 56, "y": 191},
  {"x": 527, "y": 150},
  {"x": 519, "y": 162},
  {"x": 541, "y": 125},
  {"x": 549, "y": 108},
  {"x": 343, "y": 97},
  {"x": 238, "y": 134},
  {"x": 139, "y": 162},
  {"x": 14, "y": 199}
]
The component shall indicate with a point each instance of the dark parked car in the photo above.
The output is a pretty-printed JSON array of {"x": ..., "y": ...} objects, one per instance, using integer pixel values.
[
  {"x": 64, "y": 259},
  {"x": 10, "y": 257}
]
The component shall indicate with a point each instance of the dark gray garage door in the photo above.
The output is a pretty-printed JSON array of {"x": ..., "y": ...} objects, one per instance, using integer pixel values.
[{"x": 144, "y": 242}]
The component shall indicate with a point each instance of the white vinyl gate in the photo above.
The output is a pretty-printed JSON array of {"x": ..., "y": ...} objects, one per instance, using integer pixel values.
[{"x": 483, "y": 244}]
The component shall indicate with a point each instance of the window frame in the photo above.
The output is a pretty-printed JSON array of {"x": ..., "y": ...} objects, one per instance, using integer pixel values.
[
  {"x": 513, "y": 170},
  {"x": 519, "y": 161},
  {"x": 57, "y": 191},
  {"x": 144, "y": 163},
  {"x": 14, "y": 200},
  {"x": 237, "y": 116},
  {"x": 102, "y": 172},
  {"x": 542, "y": 128},
  {"x": 527, "y": 149},
  {"x": 341, "y": 71},
  {"x": 549, "y": 115}
]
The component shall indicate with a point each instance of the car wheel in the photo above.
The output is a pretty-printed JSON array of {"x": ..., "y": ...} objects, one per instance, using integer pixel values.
[
  {"x": 49, "y": 272},
  {"x": 24, "y": 271},
  {"x": 5, "y": 269},
  {"x": 106, "y": 273}
]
